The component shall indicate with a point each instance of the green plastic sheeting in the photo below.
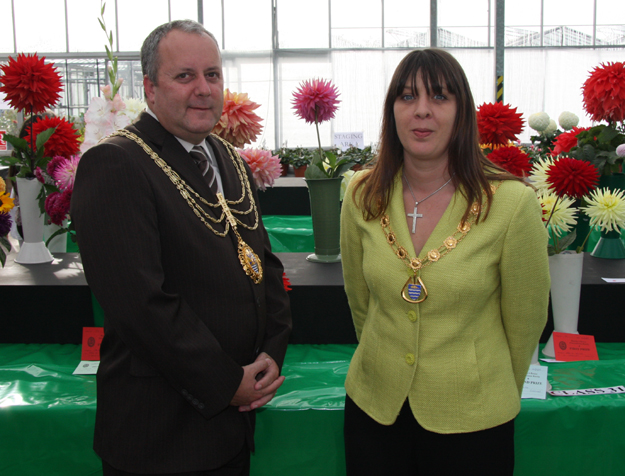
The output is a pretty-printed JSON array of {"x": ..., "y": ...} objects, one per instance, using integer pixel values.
[
  {"x": 47, "y": 416},
  {"x": 290, "y": 233}
]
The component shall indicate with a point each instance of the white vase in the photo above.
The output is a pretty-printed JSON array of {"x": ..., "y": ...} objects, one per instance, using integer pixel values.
[
  {"x": 33, "y": 250},
  {"x": 566, "y": 284},
  {"x": 58, "y": 244}
]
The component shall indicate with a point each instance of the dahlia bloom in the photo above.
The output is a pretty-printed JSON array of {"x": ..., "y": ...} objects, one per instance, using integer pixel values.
[
  {"x": 65, "y": 173},
  {"x": 6, "y": 203},
  {"x": 538, "y": 121},
  {"x": 498, "y": 123},
  {"x": 57, "y": 206},
  {"x": 512, "y": 159},
  {"x": 30, "y": 84},
  {"x": 606, "y": 209},
  {"x": 539, "y": 175},
  {"x": 551, "y": 128},
  {"x": 265, "y": 167},
  {"x": 567, "y": 140},
  {"x": 620, "y": 150},
  {"x": 286, "y": 282},
  {"x": 5, "y": 227},
  {"x": 239, "y": 125},
  {"x": 604, "y": 93},
  {"x": 571, "y": 177},
  {"x": 316, "y": 101},
  {"x": 560, "y": 220},
  {"x": 63, "y": 142},
  {"x": 568, "y": 120}
]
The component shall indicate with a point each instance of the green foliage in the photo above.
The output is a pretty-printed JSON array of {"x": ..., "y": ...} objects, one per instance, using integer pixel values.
[
  {"x": 4, "y": 245},
  {"x": 23, "y": 157},
  {"x": 327, "y": 165},
  {"x": 598, "y": 146}
]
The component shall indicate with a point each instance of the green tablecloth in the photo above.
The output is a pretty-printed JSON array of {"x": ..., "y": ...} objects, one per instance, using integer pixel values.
[{"x": 47, "y": 416}]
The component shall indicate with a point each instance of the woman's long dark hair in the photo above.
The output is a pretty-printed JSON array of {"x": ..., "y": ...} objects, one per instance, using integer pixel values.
[{"x": 470, "y": 169}]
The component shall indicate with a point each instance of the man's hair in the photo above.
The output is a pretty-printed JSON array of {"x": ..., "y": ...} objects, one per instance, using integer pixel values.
[{"x": 149, "y": 49}]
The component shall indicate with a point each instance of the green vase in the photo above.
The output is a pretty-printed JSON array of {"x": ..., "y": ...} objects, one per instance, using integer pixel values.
[{"x": 325, "y": 209}]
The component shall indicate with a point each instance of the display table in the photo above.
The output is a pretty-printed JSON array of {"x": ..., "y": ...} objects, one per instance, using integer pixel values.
[{"x": 47, "y": 416}]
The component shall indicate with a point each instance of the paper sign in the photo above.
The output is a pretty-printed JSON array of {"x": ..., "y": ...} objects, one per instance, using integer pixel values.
[
  {"x": 614, "y": 280},
  {"x": 535, "y": 385},
  {"x": 87, "y": 368},
  {"x": 574, "y": 347},
  {"x": 91, "y": 340},
  {"x": 3, "y": 143},
  {"x": 588, "y": 391},
  {"x": 345, "y": 140}
]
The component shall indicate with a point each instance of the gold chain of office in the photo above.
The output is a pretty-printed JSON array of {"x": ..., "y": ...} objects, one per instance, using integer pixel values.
[
  {"x": 414, "y": 291},
  {"x": 249, "y": 259}
]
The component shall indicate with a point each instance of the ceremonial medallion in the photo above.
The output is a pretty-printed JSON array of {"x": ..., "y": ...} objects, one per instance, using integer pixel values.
[
  {"x": 414, "y": 290},
  {"x": 250, "y": 262}
]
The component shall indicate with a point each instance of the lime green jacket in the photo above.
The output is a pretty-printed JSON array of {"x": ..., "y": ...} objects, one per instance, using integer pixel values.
[{"x": 461, "y": 356}]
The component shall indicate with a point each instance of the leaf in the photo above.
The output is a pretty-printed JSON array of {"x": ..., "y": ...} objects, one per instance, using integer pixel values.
[
  {"x": 16, "y": 142},
  {"x": 58, "y": 232},
  {"x": 606, "y": 135},
  {"x": 315, "y": 173},
  {"x": 568, "y": 240},
  {"x": 102, "y": 25},
  {"x": 331, "y": 156},
  {"x": 43, "y": 137},
  {"x": 551, "y": 250}
]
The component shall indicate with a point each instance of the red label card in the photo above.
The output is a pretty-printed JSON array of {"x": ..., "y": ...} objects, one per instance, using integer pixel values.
[
  {"x": 91, "y": 340},
  {"x": 574, "y": 347}
]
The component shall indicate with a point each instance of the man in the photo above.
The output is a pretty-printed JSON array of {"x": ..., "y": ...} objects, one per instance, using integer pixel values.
[{"x": 196, "y": 316}]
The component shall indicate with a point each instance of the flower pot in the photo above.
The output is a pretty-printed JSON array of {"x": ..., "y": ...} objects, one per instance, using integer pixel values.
[
  {"x": 325, "y": 209},
  {"x": 284, "y": 170},
  {"x": 566, "y": 283},
  {"x": 33, "y": 250},
  {"x": 299, "y": 171},
  {"x": 58, "y": 244}
]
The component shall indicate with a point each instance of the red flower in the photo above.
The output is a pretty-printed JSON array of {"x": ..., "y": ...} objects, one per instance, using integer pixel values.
[
  {"x": 498, "y": 123},
  {"x": 239, "y": 125},
  {"x": 63, "y": 142},
  {"x": 286, "y": 283},
  {"x": 566, "y": 141},
  {"x": 30, "y": 84},
  {"x": 316, "y": 100},
  {"x": 604, "y": 93},
  {"x": 511, "y": 158},
  {"x": 57, "y": 206},
  {"x": 571, "y": 177}
]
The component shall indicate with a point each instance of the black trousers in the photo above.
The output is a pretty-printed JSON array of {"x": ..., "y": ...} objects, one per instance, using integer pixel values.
[
  {"x": 405, "y": 448},
  {"x": 239, "y": 466}
]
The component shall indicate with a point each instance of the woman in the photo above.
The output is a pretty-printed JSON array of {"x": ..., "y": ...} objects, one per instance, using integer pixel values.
[{"x": 446, "y": 272}]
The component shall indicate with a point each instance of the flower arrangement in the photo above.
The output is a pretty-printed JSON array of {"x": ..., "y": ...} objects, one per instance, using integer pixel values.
[
  {"x": 604, "y": 100},
  {"x": 31, "y": 86},
  {"x": 317, "y": 101},
  {"x": 549, "y": 136},
  {"x": 265, "y": 166},
  {"x": 6, "y": 204},
  {"x": 239, "y": 124}
]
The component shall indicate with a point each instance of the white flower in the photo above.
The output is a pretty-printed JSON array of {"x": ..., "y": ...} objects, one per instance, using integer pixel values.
[
  {"x": 98, "y": 109},
  {"x": 539, "y": 121},
  {"x": 347, "y": 176},
  {"x": 134, "y": 107},
  {"x": 563, "y": 218},
  {"x": 606, "y": 209},
  {"x": 568, "y": 120},
  {"x": 620, "y": 150},
  {"x": 551, "y": 128},
  {"x": 538, "y": 175}
]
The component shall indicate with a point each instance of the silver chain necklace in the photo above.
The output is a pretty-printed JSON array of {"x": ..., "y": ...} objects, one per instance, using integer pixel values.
[{"x": 414, "y": 213}]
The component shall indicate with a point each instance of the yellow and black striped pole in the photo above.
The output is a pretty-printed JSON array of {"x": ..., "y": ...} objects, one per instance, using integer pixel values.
[{"x": 499, "y": 95}]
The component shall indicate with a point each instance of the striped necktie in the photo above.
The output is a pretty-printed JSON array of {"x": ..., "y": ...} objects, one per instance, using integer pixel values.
[{"x": 201, "y": 160}]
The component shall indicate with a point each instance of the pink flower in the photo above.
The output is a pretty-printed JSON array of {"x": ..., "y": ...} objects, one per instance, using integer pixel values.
[
  {"x": 239, "y": 125},
  {"x": 265, "y": 167},
  {"x": 54, "y": 164},
  {"x": 57, "y": 206},
  {"x": 316, "y": 101},
  {"x": 65, "y": 172}
]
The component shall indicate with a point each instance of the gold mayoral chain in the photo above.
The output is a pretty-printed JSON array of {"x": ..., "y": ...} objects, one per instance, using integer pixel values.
[
  {"x": 249, "y": 260},
  {"x": 414, "y": 291}
]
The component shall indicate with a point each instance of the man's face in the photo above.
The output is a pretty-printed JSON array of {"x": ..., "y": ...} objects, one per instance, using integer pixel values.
[{"x": 188, "y": 98}]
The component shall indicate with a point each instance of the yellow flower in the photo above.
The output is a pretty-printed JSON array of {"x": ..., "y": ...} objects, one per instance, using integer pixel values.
[
  {"x": 606, "y": 209},
  {"x": 563, "y": 218},
  {"x": 6, "y": 203},
  {"x": 3, "y": 185},
  {"x": 538, "y": 175}
]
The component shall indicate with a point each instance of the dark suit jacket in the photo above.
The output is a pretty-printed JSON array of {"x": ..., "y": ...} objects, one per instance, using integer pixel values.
[{"x": 181, "y": 316}]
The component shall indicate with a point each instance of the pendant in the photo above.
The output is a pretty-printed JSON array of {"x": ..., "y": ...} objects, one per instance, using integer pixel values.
[
  {"x": 250, "y": 262},
  {"x": 414, "y": 290}
]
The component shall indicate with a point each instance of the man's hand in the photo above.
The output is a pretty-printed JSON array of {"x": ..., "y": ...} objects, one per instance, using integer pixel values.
[{"x": 260, "y": 382}]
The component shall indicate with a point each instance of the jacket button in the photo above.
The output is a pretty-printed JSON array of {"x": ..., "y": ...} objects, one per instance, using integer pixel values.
[
  {"x": 410, "y": 359},
  {"x": 184, "y": 392},
  {"x": 201, "y": 406},
  {"x": 195, "y": 402},
  {"x": 412, "y": 316}
]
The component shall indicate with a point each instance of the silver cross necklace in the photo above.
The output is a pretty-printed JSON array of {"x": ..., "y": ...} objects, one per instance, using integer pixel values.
[{"x": 414, "y": 213}]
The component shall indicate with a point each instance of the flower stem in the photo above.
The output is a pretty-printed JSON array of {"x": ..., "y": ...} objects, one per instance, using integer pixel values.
[{"x": 319, "y": 141}]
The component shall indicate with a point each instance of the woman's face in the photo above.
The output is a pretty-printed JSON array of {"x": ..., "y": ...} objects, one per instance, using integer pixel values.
[{"x": 424, "y": 122}]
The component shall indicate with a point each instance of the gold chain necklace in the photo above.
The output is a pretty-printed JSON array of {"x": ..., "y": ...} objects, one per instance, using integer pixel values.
[
  {"x": 414, "y": 291},
  {"x": 249, "y": 260}
]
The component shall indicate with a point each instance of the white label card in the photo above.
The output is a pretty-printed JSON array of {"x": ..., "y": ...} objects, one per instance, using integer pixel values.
[
  {"x": 535, "y": 385},
  {"x": 87, "y": 367}
]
